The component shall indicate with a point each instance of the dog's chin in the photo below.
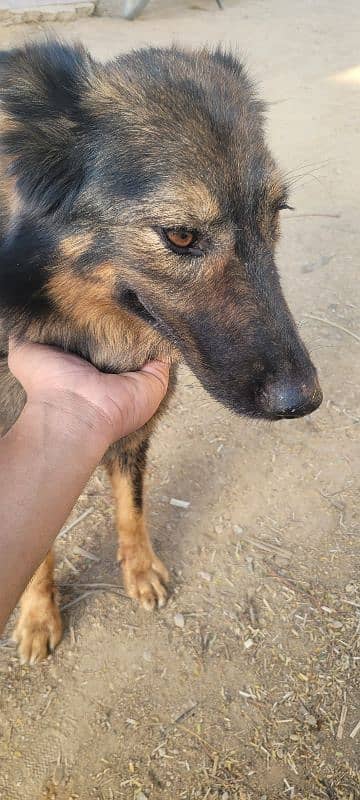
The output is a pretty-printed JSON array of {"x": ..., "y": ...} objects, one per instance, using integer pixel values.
[
  {"x": 251, "y": 408},
  {"x": 241, "y": 404}
]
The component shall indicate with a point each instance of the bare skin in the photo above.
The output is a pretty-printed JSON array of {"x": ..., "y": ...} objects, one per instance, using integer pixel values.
[{"x": 72, "y": 415}]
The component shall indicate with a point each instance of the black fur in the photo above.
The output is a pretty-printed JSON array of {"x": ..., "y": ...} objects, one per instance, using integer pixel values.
[
  {"x": 41, "y": 89},
  {"x": 25, "y": 255}
]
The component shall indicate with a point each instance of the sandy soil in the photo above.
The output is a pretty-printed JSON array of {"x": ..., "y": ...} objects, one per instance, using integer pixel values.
[{"x": 246, "y": 686}]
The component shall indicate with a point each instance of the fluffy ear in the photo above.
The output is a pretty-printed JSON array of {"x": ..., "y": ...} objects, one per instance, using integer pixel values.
[
  {"x": 238, "y": 70},
  {"x": 42, "y": 123}
]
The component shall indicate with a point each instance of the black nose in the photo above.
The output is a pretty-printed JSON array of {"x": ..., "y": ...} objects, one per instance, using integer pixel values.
[{"x": 286, "y": 398}]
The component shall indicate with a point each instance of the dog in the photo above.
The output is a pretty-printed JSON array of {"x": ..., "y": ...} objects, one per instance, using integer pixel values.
[{"x": 139, "y": 213}]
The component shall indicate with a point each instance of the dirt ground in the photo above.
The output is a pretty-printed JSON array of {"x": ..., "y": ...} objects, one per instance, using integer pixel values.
[{"x": 245, "y": 687}]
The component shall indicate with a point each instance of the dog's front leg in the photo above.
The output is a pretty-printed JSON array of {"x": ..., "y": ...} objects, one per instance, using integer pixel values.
[
  {"x": 39, "y": 628},
  {"x": 145, "y": 576}
]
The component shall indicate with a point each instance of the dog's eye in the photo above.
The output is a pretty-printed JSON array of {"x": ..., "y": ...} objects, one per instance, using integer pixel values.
[
  {"x": 180, "y": 238},
  {"x": 182, "y": 241}
]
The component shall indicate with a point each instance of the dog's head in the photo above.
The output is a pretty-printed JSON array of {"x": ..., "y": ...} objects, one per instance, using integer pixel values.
[{"x": 151, "y": 173}]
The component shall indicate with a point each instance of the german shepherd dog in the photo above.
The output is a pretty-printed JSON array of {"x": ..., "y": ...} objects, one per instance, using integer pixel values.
[{"x": 139, "y": 215}]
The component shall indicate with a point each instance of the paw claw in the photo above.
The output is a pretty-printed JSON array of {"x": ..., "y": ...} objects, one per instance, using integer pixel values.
[
  {"x": 146, "y": 582},
  {"x": 37, "y": 633}
]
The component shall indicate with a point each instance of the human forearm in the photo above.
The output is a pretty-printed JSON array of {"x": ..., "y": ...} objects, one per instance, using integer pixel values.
[
  {"x": 73, "y": 414},
  {"x": 45, "y": 461}
]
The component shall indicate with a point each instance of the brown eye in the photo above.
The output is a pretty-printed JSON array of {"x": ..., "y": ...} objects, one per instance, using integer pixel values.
[
  {"x": 183, "y": 241},
  {"x": 180, "y": 238}
]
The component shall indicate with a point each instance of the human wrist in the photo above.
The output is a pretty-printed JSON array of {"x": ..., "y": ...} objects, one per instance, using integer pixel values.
[{"x": 69, "y": 417}]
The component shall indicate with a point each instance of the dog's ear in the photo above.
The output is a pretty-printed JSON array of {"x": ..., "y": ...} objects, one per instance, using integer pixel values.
[
  {"x": 42, "y": 122},
  {"x": 238, "y": 70}
]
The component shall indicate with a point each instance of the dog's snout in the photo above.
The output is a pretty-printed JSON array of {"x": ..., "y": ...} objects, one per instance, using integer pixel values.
[{"x": 287, "y": 398}]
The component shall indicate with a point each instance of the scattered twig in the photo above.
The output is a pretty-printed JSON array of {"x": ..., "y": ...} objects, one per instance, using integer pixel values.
[
  {"x": 350, "y": 602},
  {"x": 111, "y": 587},
  {"x": 71, "y": 566},
  {"x": 93, "y": 588},
  {"x": 340, "y": 730},
  {"x": 185, "y": 714},
  {"x": 47, "y": 705},
  {"x": 69, "y": 527},
  {"x": 253, "y": 613},
  {"x": 80, "y": 551},
  {"x": 292, "y": 584},
  {"x": 268, "y": 547},
  {"x": 333, "y": 325},
  {"x": 355, "y": 730},
  {"x": 75, "y": 601},
  {"x": 329, "y": 216},
  {"x": 290, "y": 790},
  {"x": 98, "y": 585},
  {"x": 211, "y": 753}
]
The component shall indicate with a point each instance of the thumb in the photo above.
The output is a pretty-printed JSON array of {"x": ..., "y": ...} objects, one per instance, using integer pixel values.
[
  {"x": 137, "y": 395},
  {"x": 160, "y": 371}
]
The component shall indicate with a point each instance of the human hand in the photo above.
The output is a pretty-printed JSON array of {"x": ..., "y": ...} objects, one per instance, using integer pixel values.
[{"x": 110, "y": 405}]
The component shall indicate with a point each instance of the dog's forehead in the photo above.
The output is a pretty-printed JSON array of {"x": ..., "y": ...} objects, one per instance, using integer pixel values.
[
  {"x": 178, "y": 93},
  {"x": 197, "y": 112},
  {"x": 191, "y": 128},
  {"x": 221, "y": 191}
]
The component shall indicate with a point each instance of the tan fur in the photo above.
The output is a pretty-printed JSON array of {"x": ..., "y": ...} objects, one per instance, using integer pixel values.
[
  {"x": 39, "y": 627},
  {"x": 85, "y": 300},
  {"x": 7, "y": 122},
  {"x": 9, "y": 197},
  {"x": 86, "y": 304},
  {"x": 188, "y": 200},
  {"x": 144, "y": 573},
  {"x": 71, "y": 247}
]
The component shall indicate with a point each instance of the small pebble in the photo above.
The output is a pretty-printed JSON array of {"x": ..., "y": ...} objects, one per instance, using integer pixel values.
[
  {"x": 205, "y": 576},
  {"x": 179, "y": 503},
  {"x": 351, "y": 588},
  {"x": 179, "y": 620},
  {"x": 147, "y": 655},
  {"x": 238, "y": 530},
  {"x": 308, "y": 718},
  {"x": 248, "y": 643},
  {"x": 140, "y": 796},
  {"x": 250, "y": 563}
]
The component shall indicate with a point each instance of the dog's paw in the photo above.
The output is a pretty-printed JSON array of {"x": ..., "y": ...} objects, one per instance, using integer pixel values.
[
  {"x": 38, "y": 630},
  {"x": 145, "y": 579}
]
